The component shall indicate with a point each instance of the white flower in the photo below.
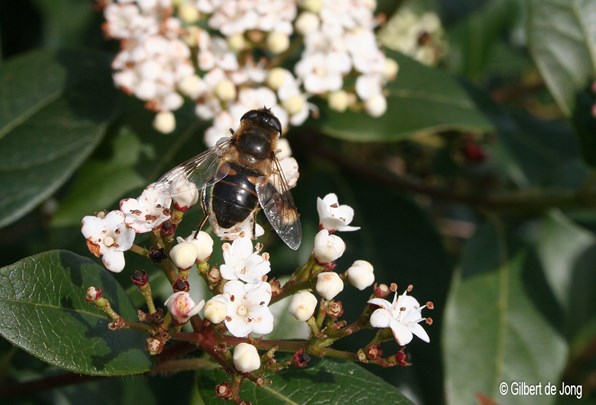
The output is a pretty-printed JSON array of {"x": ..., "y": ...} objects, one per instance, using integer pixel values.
[
  {"x": 333, "y": 216},
  {"x": 246, "y": 358},
  {"x": 147, "y": 212},
  {"x": 329, "y": 284},
  {"x": 303, "y": 305},
  {"x": 182, "y": 307},
  {"x": 184, "y": 254},
  {"x": 403, "y": 316},
  {"x": 108, "y": 236},
  {"x": 215, "y": 311},
  {"x": 242, "y": 263},
  {"x": 328, "y": 248},
  {"x": 361, "y": 274},
  {"x": 247, "y": 308}
]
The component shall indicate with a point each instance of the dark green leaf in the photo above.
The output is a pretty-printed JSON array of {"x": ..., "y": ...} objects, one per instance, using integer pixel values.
[
  {"x": 48, "y": 123},
  {"x": 473, "y": 39},
  {"x": 421, "y": 99},
  {"x": 44, "y": 312},
  {"x": 327, "y": 382},
  {"x": 562, "y": 40},
  {"x": 100, "y": 183},
  {"x": 500, "y": 322}
]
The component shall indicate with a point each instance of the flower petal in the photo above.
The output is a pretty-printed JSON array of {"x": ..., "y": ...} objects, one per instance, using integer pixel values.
[
  {"x": 402, "y": 334},
  {"x": 381, "y": 318}
]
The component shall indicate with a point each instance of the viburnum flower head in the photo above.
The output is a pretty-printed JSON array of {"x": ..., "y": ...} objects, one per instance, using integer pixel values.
[
  {"x": 243, "y": 263},
  {"x": 247, "y": 308},
  {"x": 403, "y": 316},
  {"x": 147, "y": 212},
  {"x": 108, "y": 236},
  {"x": 182, "y": 307},
  {"x": 333, "y": 216}
]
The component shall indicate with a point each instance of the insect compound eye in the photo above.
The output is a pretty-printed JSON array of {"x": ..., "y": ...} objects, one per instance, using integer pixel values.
[
  {"x": 251, "y": 115},
  {"x": 274, "y": 122},
  {"x": 263, "y": 117}
]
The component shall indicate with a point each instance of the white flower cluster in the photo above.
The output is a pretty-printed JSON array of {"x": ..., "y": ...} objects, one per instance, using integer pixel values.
[
  {"x": 328, "y": 248},
  {"x": 244, "y": 304},
  {"x": 228, "y": 57},
  {"x": 110, "y": 235},
  {"x": 419, "y": 35}
]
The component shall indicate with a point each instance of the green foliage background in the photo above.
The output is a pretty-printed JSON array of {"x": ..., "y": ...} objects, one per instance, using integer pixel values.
[{"x": 503, "y": 246}]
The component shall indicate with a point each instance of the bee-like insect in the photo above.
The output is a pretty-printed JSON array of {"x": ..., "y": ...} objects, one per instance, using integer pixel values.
[{"x": 239, "y": 175}]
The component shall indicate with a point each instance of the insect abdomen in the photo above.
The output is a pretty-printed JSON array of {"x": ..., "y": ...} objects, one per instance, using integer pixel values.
[{"x": 234, "y": 197}]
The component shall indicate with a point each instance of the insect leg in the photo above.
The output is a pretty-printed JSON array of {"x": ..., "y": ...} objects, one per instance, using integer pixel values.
[{"x": 205, "y": 207}]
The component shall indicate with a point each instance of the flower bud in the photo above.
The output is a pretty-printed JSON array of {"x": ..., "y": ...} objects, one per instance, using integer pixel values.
[
  {"x": 329, "y": 284},
  {"x": 184, "y": 255},
  {"x": 328, "y": 248},
  {"x": 312, "y": 5},
  {"x": 361, "y": 275},
  {"x": 307, "y": 22},
  {"x": 276, "y": 77},
  {"x": 164, "y": 122},
  {"x": 188, "y": 13},
  {"x": 225, "y": 90},
  {"x": 376, "y": 105},
  {"x": 192, "y": 86},
  {"x": 215, "y": 311},
  {"x": 182, "y": 307},
  {"x": 93, "y": 294},
  {"x": 294, "y": 104},
  {"x": 303, "y": 305},
  {"x": 277, "y": 42},
  {"x": 204, "y": 244},
  {"x": 338, "y": 100},
  {"x": 246, "y": 358},
  {"x": 391, "y": 68},
  {"x": 186, "y": 198},
  {"x": 236, "y": 42}
]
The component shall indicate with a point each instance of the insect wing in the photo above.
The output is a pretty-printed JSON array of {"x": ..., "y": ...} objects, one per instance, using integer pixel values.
[
  {"x": 278, "y": 205},
  {"x": 200, "y": 171}
]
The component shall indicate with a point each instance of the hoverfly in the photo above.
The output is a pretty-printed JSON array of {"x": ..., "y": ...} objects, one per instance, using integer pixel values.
[{"x": 240, "y": 175}]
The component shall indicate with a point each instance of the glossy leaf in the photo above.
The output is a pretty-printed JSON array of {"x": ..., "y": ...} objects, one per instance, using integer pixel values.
[
  {"x": 474, "y": 37},
  {"x": 43, "y": 311},
  {"x": 501, "y": 322},
  {"x": 100, "y": 183},
  {"x": 48, "y": 123},
  {"x": 562, "y": 39},
  {"x": 421, "y": 99},
  {"x": 325, "y": 382}
]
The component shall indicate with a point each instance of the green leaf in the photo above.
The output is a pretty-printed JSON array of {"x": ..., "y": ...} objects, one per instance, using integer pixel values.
[
  {"x": 562, "y": 40},
  {"x": 49, "y": 123},
  {"x": 420, "y": 100},
  {"x": 567, "y": 253},
  {"x": 473, "y": 39},
  {"x": 43, "y": 311},
  {"x": 500, "y": 324},
  {"x": 110, "y": 181},
  {"x": 326, "y": 382}
]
